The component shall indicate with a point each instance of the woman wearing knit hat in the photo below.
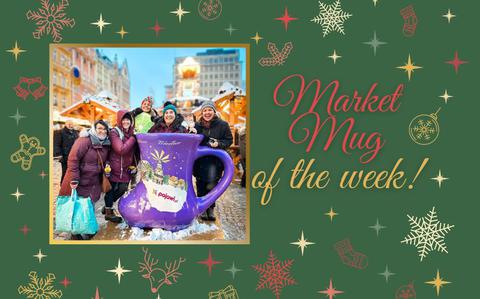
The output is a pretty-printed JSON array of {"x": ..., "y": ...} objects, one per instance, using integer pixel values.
[
  {"x": 143, "y": 115},
  {"x": 169, "y": 122},
  {"x": 208, "y": 170}
]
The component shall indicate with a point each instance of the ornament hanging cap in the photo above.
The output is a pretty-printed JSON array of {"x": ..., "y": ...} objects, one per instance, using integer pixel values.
[{"x": 434, "y": 115}]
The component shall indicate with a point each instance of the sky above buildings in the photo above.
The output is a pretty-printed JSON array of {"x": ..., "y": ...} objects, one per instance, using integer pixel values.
[{"x": 152, "y": 68}]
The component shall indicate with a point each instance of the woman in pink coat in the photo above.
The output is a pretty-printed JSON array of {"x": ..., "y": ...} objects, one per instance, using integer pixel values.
[{"x": 121, "y": 160}]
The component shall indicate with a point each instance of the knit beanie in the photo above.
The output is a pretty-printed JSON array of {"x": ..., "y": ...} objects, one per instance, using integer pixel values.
[
  {"x": 148, "y": 99},
  {"x": 208, "y": 104},
  {"x": 170, "y": 107}
]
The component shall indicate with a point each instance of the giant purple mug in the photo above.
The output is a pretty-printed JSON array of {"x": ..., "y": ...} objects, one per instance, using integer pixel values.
[{"x": 164, "y": 197}]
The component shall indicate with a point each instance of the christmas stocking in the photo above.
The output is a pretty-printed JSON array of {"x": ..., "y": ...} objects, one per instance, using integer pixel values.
[
  {"x": 410, "y": 20},
  {"x": 349, "y": 256}
]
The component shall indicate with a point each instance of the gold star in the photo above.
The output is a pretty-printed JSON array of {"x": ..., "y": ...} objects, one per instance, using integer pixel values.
[
  {"x": 180, "y": 12},
  {"x": 409, "y": 67},
  {"x": 302, "y": 243},
  {"x": 331, "y": 213},
  {"x": 445, "y": 96},
  {"x": 100, "y": 23},
  {"x": 122, "y": 32},
  {"x": 40, "y": 255},
  {"x": 449, "y": 16},
  {"x": 119, "y": 270},
  {"x": 438, "y": 282},
  {"x": 17, "y": 194},
  {"x": 256, "y": 38},
  {"x": 439, "y": 178},
  {"x": 16, "y": 51},
  {"x": 334, "y": 56}
]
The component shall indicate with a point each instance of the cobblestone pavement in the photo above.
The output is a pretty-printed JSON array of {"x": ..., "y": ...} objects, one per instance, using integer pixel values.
[{"x": 230, "y": 211}]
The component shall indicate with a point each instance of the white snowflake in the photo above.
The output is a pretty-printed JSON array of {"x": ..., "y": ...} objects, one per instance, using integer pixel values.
[
  {"x": 427, "y": 234},
  {"x": 331, "y": 17}
]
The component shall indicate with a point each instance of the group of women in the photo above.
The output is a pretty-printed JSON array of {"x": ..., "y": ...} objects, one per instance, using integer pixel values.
[{"x": 101, "y": 150}]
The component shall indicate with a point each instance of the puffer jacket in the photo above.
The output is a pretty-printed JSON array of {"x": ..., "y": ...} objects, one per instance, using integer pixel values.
[
  {"x": 123, "y": 149},
  {"x": 84, "y": 166}
]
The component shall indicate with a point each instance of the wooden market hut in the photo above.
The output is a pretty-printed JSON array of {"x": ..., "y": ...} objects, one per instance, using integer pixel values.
[{"x": 93, "y": 108}]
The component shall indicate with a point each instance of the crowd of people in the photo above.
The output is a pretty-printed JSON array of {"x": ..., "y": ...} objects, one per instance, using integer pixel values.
[{"x": 88, "y": 155}]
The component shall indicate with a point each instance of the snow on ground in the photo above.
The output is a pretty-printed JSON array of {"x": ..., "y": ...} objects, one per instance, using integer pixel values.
[{"x": 160, "y": 234}]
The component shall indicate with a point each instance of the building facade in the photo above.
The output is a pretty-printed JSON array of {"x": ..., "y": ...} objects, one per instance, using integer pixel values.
[
  {"x": 114, "y": 78},
  {"x": 61, "y": 78},
  {"x": 83, "y": 73},
  {"x": 216, "y": 67},
  {"x": 80, "y": 72}
]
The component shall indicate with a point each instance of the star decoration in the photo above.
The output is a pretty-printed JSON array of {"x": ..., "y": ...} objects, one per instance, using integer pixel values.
[
  {"x": 156, "y": 28},
  {"x": 256, "y": 38},
  {"x": 449, "y": 15},
  {"x": 119, "y": 271},
  {"x": 180, "y": 12},
  {"x": 377, "y": 227},
  {"x": 97, "y": 294},
  {"x": 40, "y": 255},
  {"x": 16, "y": 51},
  {"x": 233, "y": 270},
  {"x": 334, "y": 56},
  {"x": 17, "y": 117},
  {"x": 409, "y": 67},
  {"x": 209, "y": 262},
  {"x": 331, "y": 291},
  {"x": 427, "y": 234},
  {"x": 274, "y": 274},
  {"x": 286, "y": 19},
  {"x": 25, "y": 229},
  {"x": 331, "y": 214},
  {"x": 438, "y": 282},
  {"x": 386, "y": 273},
  {"x": 302, "y": 243},
  {"x": 331, "y": 17},
  {"x": 445, "y": 96},
  {"x": 65, "y": 282},
  {"x": 439, "y": 178},
  {"x": 456, "y": 62},
  {"x": 375, "y": 43},
  {"x": 122, "y": 32},
  {"x": 17, "y": 194},
  {"x": 43, "y": 174},
  {"x": 100, "y": 23},
  {"x": 230, "y": 29}
]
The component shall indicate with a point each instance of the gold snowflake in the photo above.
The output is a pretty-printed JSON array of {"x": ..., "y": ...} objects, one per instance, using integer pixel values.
[{"x": 40, "y": 288}]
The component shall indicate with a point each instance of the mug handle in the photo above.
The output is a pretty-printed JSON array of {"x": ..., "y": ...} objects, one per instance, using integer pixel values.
[{"x": 205, "y": 201}]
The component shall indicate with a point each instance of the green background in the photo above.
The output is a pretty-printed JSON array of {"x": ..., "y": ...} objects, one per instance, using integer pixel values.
[{"x": 274, "y": 226}]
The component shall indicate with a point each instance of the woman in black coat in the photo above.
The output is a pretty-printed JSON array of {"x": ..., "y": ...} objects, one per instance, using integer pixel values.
[{"x": 208, "y": 170}]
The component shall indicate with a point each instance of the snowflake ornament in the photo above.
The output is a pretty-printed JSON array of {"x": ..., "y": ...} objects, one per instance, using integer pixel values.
[
  {"x": 51, "y": 19},
  {"x": 427, "y": 234},
  {"x": 274, "y": 275},
  {"x": 424, "y": 129},
  {"x": 331, "y": 17},
  {"x": 40, "y": 288}
]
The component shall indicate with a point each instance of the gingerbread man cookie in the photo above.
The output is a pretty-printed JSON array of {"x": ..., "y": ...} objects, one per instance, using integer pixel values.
[{"x": 29, "y": 148}]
